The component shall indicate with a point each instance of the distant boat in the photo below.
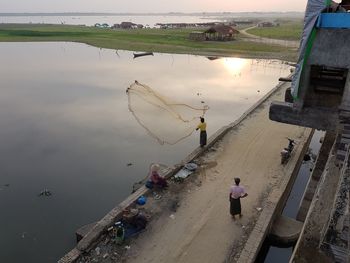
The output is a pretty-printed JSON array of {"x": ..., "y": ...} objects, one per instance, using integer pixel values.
[
  {"x": 213, "y": 58},
  {"x": 136, "y": 55}
]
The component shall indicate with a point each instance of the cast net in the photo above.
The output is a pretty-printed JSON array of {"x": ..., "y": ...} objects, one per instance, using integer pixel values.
[{"x": 164, "y": 119}]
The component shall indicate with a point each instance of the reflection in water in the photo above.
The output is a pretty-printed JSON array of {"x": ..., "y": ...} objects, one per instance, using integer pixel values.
[
  {"x": 65, "y": 126},
  {"x": 234, "y": 65}
]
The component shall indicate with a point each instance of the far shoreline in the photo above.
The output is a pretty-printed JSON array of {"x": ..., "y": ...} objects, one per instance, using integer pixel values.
[{"x": 171, "y": 41}]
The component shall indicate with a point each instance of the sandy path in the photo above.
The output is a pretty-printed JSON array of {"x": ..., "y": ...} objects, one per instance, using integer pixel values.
[
  {"x": 265, "y": 40},
  {"x": 203, "y": 230}
]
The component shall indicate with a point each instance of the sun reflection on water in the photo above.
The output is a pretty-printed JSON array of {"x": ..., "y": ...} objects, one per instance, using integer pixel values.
[{"x": 234, "y": 65}]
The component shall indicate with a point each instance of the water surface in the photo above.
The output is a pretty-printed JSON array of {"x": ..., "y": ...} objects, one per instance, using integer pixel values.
[{"x": 89, "y": 20}]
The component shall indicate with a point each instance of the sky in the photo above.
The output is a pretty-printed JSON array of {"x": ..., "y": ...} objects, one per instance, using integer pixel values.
[{"x": 149, "y": 6}]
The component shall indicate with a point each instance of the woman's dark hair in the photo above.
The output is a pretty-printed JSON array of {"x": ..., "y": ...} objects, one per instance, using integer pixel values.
[
  {"x": 202, "y": 119},
  {"x": 237, "y": 180}
]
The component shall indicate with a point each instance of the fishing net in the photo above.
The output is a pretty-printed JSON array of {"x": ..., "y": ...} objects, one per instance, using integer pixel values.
[{"x": 165, "y": 120}]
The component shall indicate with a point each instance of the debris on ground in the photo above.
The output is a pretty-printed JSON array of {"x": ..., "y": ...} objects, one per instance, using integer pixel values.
[
  {"x": 98, "y": 251},
  {"x": 187, "y": 170},
  {"x": 156, "y": 196},
  {"x": 174, "y": 205}
]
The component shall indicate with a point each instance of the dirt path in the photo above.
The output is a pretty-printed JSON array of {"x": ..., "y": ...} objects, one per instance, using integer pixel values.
[
  {"x": 265, "y": 40},
  {"x": 201, "y": 230}
]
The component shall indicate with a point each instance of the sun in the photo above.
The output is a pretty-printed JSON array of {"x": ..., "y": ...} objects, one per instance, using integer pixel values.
[{"x": 234, "y": 65}]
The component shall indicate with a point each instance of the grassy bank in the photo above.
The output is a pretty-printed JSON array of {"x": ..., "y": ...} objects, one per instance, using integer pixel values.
[
  {"x": 286, "y": 31},
  {"x": 155, "y": 40}
]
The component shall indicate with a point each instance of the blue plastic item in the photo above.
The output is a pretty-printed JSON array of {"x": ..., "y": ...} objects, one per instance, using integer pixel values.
[{"x": 141, "y": 200}]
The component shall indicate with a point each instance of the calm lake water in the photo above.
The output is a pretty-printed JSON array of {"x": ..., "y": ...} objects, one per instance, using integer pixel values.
[
  {"x": 65, "y": 126},
  {"x": 90, "y": 20}
]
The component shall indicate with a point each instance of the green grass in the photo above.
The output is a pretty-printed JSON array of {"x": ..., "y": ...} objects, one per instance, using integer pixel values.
[
  {"x": 291, "y": 30},
  {"x": 156, "y": 40}
]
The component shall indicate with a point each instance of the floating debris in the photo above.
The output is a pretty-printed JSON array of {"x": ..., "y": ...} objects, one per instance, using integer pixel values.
[
  {"x": 7, "y": 185},
  {"x": 45, "y": 192},
  {"x": 258, "y": 209},
  {"x": 128, "y": 164},
  {"x": 98, "y": 251},
  {"x": 172, "y": 216}
]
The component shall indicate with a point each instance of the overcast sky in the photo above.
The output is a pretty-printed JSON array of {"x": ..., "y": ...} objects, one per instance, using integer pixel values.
[{"x": 145, "y": 6}]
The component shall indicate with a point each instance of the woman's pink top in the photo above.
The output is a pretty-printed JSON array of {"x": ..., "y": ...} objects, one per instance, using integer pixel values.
[{"x": 237, "y": 191}]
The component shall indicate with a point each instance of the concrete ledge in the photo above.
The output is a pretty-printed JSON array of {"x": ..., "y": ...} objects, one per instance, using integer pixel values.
[
  {"x": 71, "y": 256},
  {"x": 101, "y": 226},
  {"x": 320, "y": 119},
  {"x": 81, "y": 232},
  {"x": 285, "y": 230}
]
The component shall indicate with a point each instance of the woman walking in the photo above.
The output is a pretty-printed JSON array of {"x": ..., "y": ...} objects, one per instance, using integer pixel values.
[{"x": 236, "y": 193}]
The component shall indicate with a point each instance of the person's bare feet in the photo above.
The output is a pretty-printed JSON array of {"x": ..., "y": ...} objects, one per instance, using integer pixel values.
[
  {"x": 240, "y": 215},
  {"x": 233, "y": 217}
]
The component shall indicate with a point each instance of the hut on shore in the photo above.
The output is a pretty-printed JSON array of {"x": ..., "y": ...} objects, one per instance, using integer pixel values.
[
  {"x": 128, "y": 25},
  {"x": 197, "y": 36},
  {"x": 266, "y": 24},
  {"x": 220, "y": 32}
]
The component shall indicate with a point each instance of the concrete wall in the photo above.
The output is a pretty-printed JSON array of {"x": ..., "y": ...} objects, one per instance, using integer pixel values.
[
  {"x": 319, "y": 167},
  {"x": 307, "y": 247}
]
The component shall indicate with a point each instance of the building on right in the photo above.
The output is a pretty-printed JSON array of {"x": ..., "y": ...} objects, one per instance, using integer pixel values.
[{"x": 319, "y": 98}]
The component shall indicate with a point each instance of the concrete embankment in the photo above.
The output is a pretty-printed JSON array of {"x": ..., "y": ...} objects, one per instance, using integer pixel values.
[
  {"x": 250, "y": 150},
  {"x": 325, "y": 233}
]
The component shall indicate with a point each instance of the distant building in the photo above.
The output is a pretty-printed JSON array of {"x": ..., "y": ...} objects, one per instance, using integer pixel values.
[
  {"x": 266, "y": 24},
  {"x": 221, "y": 32},
  {"x": 197, "y": 36},
  {"x": 128, "y": 25},
  {"x": 244, "y": 22},
  {"x": 115, "y": 26}
]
